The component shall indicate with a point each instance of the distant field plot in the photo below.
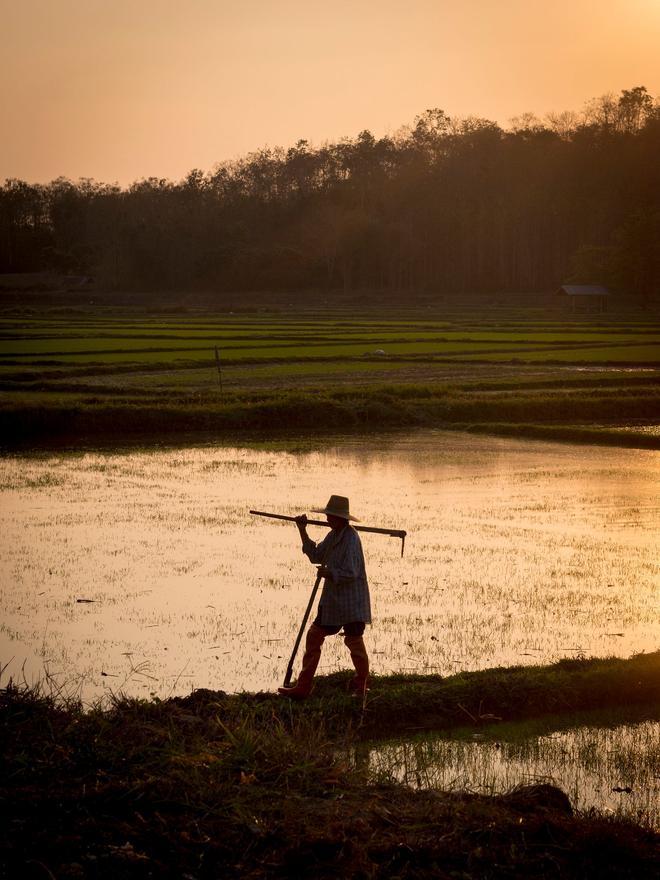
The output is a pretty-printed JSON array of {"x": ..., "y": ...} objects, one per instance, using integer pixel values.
[
  {"x": 17, "y": 338},
  {"x": 647, "y": 354},
  {"x": 235, "y": 374},
  {"x": 77, "y": 350},
  {"x": 113, "y": 341},
  {"x": 133, "y": 373}
]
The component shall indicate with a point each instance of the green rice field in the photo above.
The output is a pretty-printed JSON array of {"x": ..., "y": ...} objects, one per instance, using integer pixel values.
[
  {"x": 531, "y": 364},
  {"x": 103, "y": 339}
]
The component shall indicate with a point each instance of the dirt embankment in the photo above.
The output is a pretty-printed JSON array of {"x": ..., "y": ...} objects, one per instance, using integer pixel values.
[{"x": 212, "y": 785}]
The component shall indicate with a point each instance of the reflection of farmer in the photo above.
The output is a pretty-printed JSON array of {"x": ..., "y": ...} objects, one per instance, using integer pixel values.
[{"x": 344, "y": 600}]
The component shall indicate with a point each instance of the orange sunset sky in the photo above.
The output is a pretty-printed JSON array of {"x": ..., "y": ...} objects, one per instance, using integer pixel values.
[{"x": 118, "y": 90}]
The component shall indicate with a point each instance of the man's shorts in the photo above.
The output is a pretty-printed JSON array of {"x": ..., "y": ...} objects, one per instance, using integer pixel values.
[{"x": 355, "y": 628}]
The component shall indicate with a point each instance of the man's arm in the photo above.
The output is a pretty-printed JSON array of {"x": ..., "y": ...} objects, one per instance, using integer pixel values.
[
  {"x": 309, "y": 548},
  {"x": 301, "y": 522}
]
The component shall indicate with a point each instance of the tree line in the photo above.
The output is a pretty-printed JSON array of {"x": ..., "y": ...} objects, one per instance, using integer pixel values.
[{"x": 446, "y": 204}]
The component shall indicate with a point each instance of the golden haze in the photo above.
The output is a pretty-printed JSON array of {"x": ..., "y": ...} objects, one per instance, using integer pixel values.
[{"x": 119, "y": 91}]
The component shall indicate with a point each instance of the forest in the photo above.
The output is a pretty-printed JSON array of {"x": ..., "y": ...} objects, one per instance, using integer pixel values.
[{"x": 448, "y": 205}]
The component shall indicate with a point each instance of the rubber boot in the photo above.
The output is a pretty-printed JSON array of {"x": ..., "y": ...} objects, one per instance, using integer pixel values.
[
  {"x": 355, "y": 644},
  {"x": 311, "y": 657}
]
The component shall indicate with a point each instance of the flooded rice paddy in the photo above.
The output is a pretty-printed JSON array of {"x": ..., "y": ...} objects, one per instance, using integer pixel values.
[
  {"x": 614, "y": 769},
  {"x": 143, "y": 571}
]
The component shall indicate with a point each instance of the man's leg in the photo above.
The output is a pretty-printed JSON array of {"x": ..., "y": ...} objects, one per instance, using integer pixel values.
[
  {"x": 355, "y": 644},
  {"x": 313, "y": 644}
]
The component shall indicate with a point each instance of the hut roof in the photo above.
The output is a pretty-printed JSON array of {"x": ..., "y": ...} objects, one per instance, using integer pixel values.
[{"x": 583, "y": 290}]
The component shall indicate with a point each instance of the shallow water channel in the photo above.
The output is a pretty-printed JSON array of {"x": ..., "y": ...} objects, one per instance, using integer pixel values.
[
  {"x": 603, "y": 765},
  {"x": 518, "y": 552}
]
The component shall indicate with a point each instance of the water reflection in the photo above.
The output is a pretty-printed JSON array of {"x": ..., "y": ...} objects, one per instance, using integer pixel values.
[
  {"x": 610, "y": 769},
  {"x": 518, "y": 552}
]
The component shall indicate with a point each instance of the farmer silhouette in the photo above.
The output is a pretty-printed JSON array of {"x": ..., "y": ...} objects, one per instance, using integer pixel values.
[{"x": 344, "y": 600}]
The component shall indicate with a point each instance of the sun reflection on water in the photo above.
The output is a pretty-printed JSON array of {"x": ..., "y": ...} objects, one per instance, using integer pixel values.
[{"x": 518, "y": 552}]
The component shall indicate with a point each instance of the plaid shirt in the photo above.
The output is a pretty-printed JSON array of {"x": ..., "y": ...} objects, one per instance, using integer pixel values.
[{"x": 345, "y": 596}]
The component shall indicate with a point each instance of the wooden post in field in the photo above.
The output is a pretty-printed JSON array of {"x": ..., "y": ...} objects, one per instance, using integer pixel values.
[{"x": 217, "y": 363}]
